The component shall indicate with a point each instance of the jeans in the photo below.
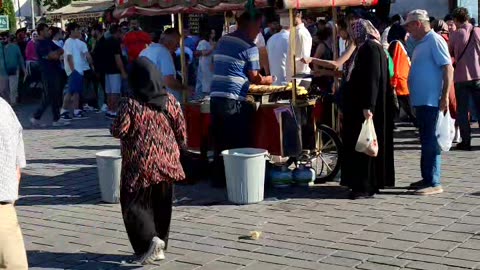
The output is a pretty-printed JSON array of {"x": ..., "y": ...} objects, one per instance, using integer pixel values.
[
  {"x": 52, "y": 94},
  {"x": 430, "y": 163},
  {"x": 231, "y": 127},
  {"x": 466, "y": 91}
]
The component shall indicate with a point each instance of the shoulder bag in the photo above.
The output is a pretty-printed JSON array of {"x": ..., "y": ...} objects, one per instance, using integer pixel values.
[{"x": 472, "y": 33}]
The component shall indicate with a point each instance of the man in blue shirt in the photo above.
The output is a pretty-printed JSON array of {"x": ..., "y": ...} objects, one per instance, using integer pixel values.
[
  {"x": 51, "y": 70},
  {"x": 236, "y": 65},
  {"x": 430, "y": 79},
  {"x": 160, "y": 53}
]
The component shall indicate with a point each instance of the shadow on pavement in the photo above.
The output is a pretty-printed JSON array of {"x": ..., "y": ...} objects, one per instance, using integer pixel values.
[
  {"x": 75, "y": 187},
  {"x": 90, "y": 147},
  {"x": 83, "y": 260}
]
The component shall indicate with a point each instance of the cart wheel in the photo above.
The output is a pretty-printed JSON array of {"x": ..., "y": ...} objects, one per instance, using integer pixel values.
[{"x": 329, "y": 154}]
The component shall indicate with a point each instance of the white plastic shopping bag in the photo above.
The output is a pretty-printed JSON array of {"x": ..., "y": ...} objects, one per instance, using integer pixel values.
[
  {"x": 445, "y": 130},
  {"x": 367, "y": 140}
]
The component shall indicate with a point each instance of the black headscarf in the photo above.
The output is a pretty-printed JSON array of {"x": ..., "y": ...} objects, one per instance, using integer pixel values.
[
  {"x": 146, "y": 83},
  {"x": 396, "y": 32}
]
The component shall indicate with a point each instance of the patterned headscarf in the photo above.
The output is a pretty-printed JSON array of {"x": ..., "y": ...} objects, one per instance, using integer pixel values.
[
  {"x": 362, "y": 30},
  {"x": 440, "y": 26}
]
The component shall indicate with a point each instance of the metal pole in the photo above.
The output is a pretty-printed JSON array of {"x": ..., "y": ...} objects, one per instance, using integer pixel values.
[
  {"x": 32, "y": 3},
  {"x": 182, "y": 54},
  {"x": 335, "y": 57},
  {"x": 292, "y": 56},
  {"x": 172, "y": 17}
]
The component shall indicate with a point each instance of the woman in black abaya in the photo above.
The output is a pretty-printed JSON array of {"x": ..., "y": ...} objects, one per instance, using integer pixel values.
[{"x": 368, "y": 94}]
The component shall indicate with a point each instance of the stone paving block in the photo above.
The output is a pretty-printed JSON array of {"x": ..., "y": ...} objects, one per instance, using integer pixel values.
[
  {"x": 440, "y": 260},
  {"x": 426, "y": 266},
  {"x": 410, "y": 236},
  {"x": 438, "y": 245},
  {"x": 198, "y": 258},
  {"x": 366, "y": 250},
  {"x": 449, "y": 213},
  {"x": 178, "y": 266},
  {"x": 397, "y": 220},
  {"x": 424, "y": 228},
  {"x": 307, "y": 256},
  {"x": 236, "y": 260},
  {"x": 384, "y": 227},
  {"x": 220, "y": 266},
  {"x": 273, "y": 251},
  {"x": 341, "y": 261},
  {"x": 471, "y": 244},
  {"x": 425, "y": 251},
  {"x": 351, "y": 255},
  {"x": 370, "y": 236},
  {"x": 346, "y": 228},
  {"x": 464, "y": 254},
  {"x": 329, "y": 235},
  {"x": 388, "y": 261},
  {"x": 392, "y": 244},
  {"x": 470, "y": 220},
  {"x": 463, "y": 228},
  {"x": 451, "y": 236},
  {"x": 350, "y": 241},
  {"x": 460, "y": 206},
  {"x": 433, "y": 220},
  {"x": 358, "y": 220},
  {"x": 375, "y": 266},
  {"x": 265, "y": 266}
]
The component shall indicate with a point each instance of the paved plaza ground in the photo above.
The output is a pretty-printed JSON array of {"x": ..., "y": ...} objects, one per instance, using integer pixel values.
[{"x": 66, "y": 226}]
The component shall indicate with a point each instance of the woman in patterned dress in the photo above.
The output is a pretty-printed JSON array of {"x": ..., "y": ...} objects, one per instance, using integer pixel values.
[{"x": 151, "y": 128}]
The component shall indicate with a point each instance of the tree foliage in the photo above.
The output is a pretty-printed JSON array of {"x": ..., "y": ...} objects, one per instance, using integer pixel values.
[
  {"x": 8, "y": 9},
  {"x": 55, "y": 4}
]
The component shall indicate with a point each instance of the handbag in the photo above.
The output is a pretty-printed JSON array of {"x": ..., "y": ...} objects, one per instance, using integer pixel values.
[{"x": 472, "y": 33}]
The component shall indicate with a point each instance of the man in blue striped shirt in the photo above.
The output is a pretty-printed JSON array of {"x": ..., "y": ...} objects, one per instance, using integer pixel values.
[{"x": 236, "y": 65}]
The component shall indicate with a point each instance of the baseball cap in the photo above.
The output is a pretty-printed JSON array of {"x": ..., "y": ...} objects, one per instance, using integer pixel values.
[{"x": 417, "y": 15}]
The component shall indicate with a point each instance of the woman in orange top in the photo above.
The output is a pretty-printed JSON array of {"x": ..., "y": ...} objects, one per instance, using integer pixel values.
[{"x": 397, "y": 37}]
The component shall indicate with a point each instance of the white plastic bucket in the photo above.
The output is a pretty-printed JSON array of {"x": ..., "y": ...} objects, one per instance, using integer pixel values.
[
  {"x": 245, "y": 174},
  {"x": 109, "y": 165}
]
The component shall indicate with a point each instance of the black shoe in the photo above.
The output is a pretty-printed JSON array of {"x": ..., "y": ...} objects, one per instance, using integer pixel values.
[
  {"x": 65, "y": 116},
  {"x": 110, "y": 116},
  {"x": 464, "y": 146},
  {"x": 80, "y": 116}
]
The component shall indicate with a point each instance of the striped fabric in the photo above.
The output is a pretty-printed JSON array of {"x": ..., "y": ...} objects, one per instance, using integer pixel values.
[{"x": 233, "y": 58}]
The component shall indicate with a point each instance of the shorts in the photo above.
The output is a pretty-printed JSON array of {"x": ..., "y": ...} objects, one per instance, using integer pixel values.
[
  {"x": 75, "y": 83},
  {"x": 113, "y": 84}
]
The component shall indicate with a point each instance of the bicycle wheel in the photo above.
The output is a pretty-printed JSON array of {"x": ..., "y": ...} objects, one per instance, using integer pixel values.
[{"x": 328, "y": 156}]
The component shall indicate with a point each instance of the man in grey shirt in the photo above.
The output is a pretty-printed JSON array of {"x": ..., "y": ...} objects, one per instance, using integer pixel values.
[{"x": 12, "y": 159}]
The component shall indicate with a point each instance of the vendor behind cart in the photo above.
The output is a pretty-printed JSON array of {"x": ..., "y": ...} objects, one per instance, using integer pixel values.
[{"x": 236, "y": 65}]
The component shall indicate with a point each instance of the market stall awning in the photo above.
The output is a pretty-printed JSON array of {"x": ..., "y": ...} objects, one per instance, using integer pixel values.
[
  {"x": 126, "y": 8},
  {"x": 82, "y": 9}
]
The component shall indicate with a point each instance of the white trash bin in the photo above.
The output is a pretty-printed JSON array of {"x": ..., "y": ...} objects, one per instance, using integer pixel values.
[
  {"x": 245, "y": 173},
  {"x": 109, "y": 165}
]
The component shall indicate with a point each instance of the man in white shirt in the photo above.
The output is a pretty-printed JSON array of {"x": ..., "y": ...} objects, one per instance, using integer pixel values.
[
  {"x": 76, "y": 52},
  {"x": 160, "y": 53},
  {"x": 277, "y": 48},
  {"x": 303, "y": 48},
  {"x": 12, "y": 153}
]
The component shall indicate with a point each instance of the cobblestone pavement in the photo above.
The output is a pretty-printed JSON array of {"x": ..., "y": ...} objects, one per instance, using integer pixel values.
[{"x": 66, "y": 226}]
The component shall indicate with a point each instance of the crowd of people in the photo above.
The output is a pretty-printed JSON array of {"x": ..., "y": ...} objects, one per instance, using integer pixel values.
[{"x": 419, "y": 65}]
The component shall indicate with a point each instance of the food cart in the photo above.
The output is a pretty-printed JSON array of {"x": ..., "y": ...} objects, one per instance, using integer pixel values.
[{"x": 288, "y": 120}]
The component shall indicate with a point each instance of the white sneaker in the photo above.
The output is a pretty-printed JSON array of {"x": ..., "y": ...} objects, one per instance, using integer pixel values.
[
  {"x": 160, "y": 256},
  {"x": 104, "y": 108},
  {"x": 60, "y": 123},
  {"x": 156, "y": 246},
  {"x": 429, "y": 191},
  {"x": 457, "y": 138}
]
